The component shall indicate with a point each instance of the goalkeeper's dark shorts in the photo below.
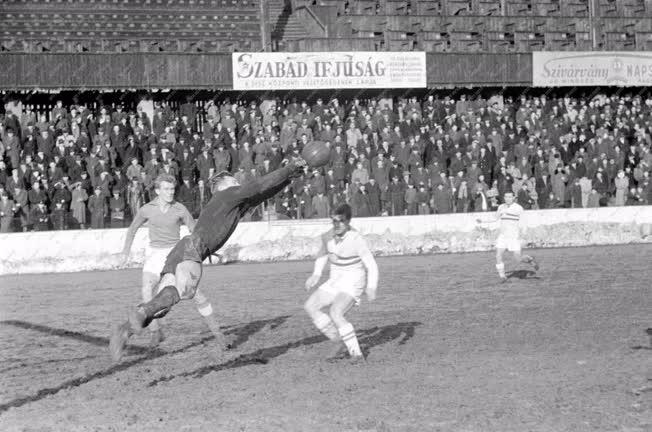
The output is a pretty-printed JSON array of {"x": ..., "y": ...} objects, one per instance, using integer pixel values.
[{"x": 187, "y": 249}]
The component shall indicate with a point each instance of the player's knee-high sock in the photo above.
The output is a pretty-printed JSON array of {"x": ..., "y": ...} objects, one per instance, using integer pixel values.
[
  {"x": 347, "y": 333},
  {"x": 147, "y": 292},
  {"x": 501, "y": 269},
  {"x": 325, "y": 325},
  {"x": 158, "y": 307}
]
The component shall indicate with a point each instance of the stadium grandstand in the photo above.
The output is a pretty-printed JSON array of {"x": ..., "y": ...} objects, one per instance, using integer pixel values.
[{"x": 102, "y": 95}]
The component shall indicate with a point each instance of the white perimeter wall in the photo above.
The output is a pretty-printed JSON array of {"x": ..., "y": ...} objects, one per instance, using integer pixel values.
[{"x": 66, "y": 251}]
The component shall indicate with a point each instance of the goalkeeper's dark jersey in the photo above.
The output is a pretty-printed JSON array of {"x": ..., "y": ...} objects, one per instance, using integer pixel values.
[{"x": 222, "y": 214}]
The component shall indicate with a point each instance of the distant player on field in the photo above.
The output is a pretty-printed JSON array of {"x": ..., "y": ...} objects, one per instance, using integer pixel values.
[
  {"x": 164, "y": 217},
  {"x": 183, "y": 266},
  {"x": 353, "y": 269},
  {"x": 509, "y": 236}
]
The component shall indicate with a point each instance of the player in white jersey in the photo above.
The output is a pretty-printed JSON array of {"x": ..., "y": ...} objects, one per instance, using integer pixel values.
[
  {"x": 164, "y": 217},
  {"x": 509, "y": 235},
  {"x": 353, "y": 269}
]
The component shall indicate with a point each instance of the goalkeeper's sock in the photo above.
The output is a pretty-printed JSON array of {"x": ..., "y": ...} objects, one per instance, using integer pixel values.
[
  {"x": 347, "y": 333},
  {"x": 156, "y": 308}
]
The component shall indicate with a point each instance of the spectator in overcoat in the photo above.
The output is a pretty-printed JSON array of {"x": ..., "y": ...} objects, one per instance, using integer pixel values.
[
  {"x": 78, "y": 205},
  {"x": 7, "y": 209},
  {"x": 98, "y": 208}
]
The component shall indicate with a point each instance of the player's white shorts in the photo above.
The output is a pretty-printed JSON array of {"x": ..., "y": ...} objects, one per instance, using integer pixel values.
[
  {"x": 352, "y": 283},
  {"x": 155, "y": 259},
  {"x": 512, "y": 244}
]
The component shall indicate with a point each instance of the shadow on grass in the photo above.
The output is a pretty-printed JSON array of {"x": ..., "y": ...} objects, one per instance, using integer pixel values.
[
  {"x": 242, "y": 333},
  {"x": 522, "y": 274},
  {"x": 368, "y": 338}
]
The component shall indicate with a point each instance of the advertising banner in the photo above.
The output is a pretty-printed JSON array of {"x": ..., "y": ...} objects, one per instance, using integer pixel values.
[
  {"x": 591, "y": 68},
  {"x": 328, "y": 70}
]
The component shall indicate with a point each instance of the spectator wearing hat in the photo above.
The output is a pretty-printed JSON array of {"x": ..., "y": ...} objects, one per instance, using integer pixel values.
[
  {"x": 134, "y": 168},
  {"x": 317, "y": 183},
  {"x": 585, "y": 190},
  {"x": 205, "y": 163},
  {"x": 419, "y": 174},
  {"x": 621, "y": 183},
  {"x": 187, "y": 164},
  {"x": 7, "y": 210},
  {"x": 119, "y": 182},
  {"x": 303, "y": 200},
  {"x": 15, "y": 180},
  {"x": 462, "y": 197},
  {"x": 411, "y": 199},
  {"x": 359, "y": 174},
  {"x": 222, "y": 159},
  {"x": 78, "y": 205},
  {"x": 396, "y": 197},
  {"x": 61, "y": 194},
  {"x": 131, "y": 151},
  {"x": 40, "y": 217},
  {"x": 59, "y": 217},
  {"x": 635, "y": 197},
  {"x": 442, "y": 200},
  {"x": 20, "y": 199},
  {"x": 423, "y": 200},
  {"x": 12, "y": 148},
  {"x": 75, "y": 168},
  {"x": 246, "y": 157},
  {"x": 117, "y": 209},
  {"x": 375, "y": 197},
  {"x": 98, "y": 208},
  {"x": 44, "y": 143},
  {"x": 360, "y": 203},
  {"x": 593, "y": 200}
]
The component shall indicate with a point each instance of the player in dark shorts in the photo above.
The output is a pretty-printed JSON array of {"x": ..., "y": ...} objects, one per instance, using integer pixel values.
[{"x": 183, "y": 267}]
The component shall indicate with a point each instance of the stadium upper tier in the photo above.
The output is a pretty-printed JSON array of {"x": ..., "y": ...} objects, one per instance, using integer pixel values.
[
  {"x": 235, "y": 25},
  {"x": 129, "y": 25}
]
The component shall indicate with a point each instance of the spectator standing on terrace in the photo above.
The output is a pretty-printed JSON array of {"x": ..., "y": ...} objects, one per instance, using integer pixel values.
[
  {"x": 22, "y": 208},
  {"x": 78, "y": 205},
  {"x": 97, "y": 207},
  {"x": 40, "y": 217},
  {"x": 117, "y": 210},
  {"x": 7, "y": 209},
  {"x": 621, "y": 183},
  {"x": 59, "y": 217}
]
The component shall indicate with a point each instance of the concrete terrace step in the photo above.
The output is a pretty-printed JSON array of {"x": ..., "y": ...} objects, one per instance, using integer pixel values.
[{"x": 284, "y": 23}]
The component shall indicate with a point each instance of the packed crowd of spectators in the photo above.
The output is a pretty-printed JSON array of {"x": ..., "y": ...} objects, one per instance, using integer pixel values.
[{"x": 75, "y": 168}]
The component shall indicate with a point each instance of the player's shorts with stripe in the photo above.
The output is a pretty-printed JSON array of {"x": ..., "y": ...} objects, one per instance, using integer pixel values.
[
  {"x": 512, "y": 244},
  {"x": 351, "y": 283},
  {"x": 155, "y": 259},
  {"x": 187, "y": 249}
]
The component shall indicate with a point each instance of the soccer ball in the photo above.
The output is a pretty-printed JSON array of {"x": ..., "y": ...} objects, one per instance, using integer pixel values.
[{"x": 316, "y": 154}]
